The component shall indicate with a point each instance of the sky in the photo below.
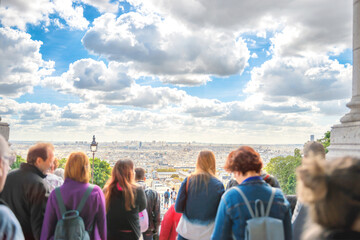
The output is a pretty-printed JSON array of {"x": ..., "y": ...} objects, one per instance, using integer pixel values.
[{"x": 240, "y": 72}]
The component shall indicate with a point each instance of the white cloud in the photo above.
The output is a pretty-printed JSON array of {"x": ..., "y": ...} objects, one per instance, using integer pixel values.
[
  {"x": 94, "y": 81},
  {"x": 21, "y": 64},
  {"x": 103, "y": 5},
  {"x": 254, "y": 55},
  {"x": 19, "y": 13},
  {"x": 166, "y": 49},
  {"x": 319, "y": 28},
  {"x": 314, "y": 78}
]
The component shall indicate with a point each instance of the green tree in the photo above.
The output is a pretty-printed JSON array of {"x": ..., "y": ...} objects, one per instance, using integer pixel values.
[
  {"x": 17, "y": 162},
  {"x": 325, "y": 141},
  {"x": 62, "y": 163},
  {"x": 283, "y": 168},
  {"x": 102, "y": 171}
]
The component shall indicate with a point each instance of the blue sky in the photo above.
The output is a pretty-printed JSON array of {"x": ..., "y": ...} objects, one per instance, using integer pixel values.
[{"x": 174, "y": 71}]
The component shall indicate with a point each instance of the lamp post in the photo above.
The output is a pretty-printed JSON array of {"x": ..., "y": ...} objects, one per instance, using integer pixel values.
[{"x": 93, "y": 148}]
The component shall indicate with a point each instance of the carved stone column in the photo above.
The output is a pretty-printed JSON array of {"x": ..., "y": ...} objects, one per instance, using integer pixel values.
[
  {"x": 4, "y": 130},
  {"x": 345, "y": 137}
]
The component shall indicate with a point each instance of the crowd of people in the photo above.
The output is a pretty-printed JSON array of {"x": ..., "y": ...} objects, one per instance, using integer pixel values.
[{"x": 37, "y": 203}]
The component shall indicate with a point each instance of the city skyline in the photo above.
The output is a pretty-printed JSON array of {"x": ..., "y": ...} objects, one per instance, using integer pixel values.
[{"x": 234, "y": 72}]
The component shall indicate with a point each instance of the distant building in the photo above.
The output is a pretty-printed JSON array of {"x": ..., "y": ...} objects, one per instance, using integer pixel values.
[
  {"x": 312, "y": 138},
  {"x": 164, "y": 175}
]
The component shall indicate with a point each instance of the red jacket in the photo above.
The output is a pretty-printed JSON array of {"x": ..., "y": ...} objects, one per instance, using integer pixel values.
[{"x": 169, "y": 224}]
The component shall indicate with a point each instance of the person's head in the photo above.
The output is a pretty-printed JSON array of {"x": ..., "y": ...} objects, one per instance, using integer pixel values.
[
  {"x": 139, "y": 174},
  {"x": 332, "y": 192},
  {"x": 41, "y": 155},
  {"x": 59, "y": 172},
  {"x": 204, "y": 170},
  {"x": 55, "y": 165},
  {"x": 313, "y": 150},
  {"x": 173, "y": 189},
  {"x": 122, "y": 179},
  {"x": 77, "y": 167},
  {"x": 244, "y": 161},
  {"x": 167, "y": 190},
  {"x": 5, "y": 161},
  {"x": 206, "y": 163}
]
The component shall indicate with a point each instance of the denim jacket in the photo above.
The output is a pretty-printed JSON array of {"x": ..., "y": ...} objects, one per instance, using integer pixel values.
[
  {"x": 232, "y": 213},
  {"x": 198, "y": 206}
]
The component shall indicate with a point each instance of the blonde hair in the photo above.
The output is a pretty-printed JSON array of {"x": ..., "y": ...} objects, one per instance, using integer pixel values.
[
  {"x": 205, "y": 168},
  {"x": 78, "y": 167},
  {"x": 331, "y": 191}
]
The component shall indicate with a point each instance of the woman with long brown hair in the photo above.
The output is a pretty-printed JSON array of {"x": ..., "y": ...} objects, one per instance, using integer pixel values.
[
  {"x": 198, "y": 199},
  {"x": 124, "y": 200}
]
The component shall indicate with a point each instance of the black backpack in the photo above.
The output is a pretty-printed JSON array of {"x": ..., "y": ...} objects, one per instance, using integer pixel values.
[{"x": 71, "y": 225}]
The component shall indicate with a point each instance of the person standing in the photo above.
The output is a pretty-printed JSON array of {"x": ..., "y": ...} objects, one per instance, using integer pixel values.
[
  {"x": 77, "y": 176},
  {"x": 26, "y": 191},
  {"x": 124, "y": 201},
  {"x": 53, "y": 180},
  {"x": 9, "y": 226},
  {"x": 152, "y": 206},
  {"x": 169, "y": 224},
  {"x": 173, "y": 195},
  {"x": 166, "y": 198},
  {"x": 198, "y": 199},
  {"x": 233, "y": 212}
]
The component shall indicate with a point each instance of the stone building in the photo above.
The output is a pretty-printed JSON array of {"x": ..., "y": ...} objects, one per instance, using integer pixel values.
[{"x": 4, "y": 129}]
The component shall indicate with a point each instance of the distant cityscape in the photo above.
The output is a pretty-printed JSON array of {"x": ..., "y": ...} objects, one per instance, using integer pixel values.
[{"x": 153, "y": 156}]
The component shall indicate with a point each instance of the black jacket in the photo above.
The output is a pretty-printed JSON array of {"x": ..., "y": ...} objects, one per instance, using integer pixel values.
[
  {"x": 119, "y": 219},
  {"x": 152, "y": 207},
  {"x": 26, "y": 194}
]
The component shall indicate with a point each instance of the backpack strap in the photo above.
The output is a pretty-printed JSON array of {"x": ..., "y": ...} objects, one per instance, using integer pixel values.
[
  {"x": 60, "y": 201},
  {"x": 85, "y": 197},
  {"x": 246, "y": 201},
  {"x": 273, "y": 190}
]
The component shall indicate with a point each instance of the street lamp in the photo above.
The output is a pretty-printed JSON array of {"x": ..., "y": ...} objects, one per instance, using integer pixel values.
[{"x": 93, "y": 148}]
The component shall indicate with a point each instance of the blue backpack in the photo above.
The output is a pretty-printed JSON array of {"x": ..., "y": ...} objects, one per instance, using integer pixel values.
[
  {"x": 261, "y": 225},
  {"x": 71, "y": 226}
]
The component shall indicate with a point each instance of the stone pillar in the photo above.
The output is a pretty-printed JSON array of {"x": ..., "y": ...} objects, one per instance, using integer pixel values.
[
  {"x": 4, "y": 130},
  {"x": 345, "y": 137}
]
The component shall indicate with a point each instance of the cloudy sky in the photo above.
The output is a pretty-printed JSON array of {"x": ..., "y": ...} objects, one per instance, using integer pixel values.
[{"x": 232, "y": 71}]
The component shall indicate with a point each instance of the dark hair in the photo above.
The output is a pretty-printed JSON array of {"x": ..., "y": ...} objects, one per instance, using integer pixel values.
[
  {"x": 139, "y": 174},
  {"x": 243, "y": 160},
  {"x": 39, "y": 150},
  {"x": 315, "y": 147}
]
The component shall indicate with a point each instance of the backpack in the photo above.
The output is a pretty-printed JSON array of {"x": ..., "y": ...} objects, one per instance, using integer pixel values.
[
  {"x": 144, "y": 220},
  {"x": 166, "y": 195},
  {"x": 71, "y": 225},
  {"x": 261, "y": 226}
]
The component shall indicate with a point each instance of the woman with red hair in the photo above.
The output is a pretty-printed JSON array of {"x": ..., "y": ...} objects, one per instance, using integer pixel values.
[
  {"x": 232, "y": 215},
  {"x": 124, "y": 200}
]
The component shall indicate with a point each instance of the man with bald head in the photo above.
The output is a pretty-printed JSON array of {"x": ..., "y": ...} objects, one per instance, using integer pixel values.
[
  {"x": 9, "y": 226},
  {"x": 26, "y": 191}
]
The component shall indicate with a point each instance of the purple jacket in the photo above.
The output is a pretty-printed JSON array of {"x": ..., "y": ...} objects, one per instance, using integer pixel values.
[{"x": 93, "y": 211}]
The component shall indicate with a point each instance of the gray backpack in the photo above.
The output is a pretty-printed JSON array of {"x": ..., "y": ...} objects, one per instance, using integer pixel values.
[
  {"x": 71, "y": 226},
  {"x": 261, "y": 226}
]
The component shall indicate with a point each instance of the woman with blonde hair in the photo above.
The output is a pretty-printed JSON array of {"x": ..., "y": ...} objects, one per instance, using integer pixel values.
[
  {"x": 331, "y": 190},
  {"x": 198, "y": 199},
  {"x": 75, "y": 187},
  {"x": 124, "y": 201}
]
